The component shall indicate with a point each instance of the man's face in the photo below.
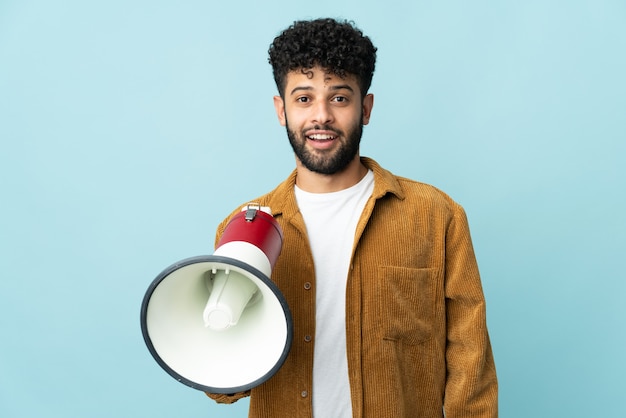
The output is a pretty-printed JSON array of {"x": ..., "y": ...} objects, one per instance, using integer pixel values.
[{"x": 324, "y": 117}]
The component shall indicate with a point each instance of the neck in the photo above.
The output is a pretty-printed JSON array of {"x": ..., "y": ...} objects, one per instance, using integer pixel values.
[{"x": 313, "y": 182}]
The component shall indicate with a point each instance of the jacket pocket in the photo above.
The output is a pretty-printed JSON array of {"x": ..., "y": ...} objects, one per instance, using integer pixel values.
[{"x": 406, "y": 303}]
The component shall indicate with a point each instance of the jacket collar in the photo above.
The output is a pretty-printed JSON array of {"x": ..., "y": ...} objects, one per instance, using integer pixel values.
[{"x": 283, "y": 200}]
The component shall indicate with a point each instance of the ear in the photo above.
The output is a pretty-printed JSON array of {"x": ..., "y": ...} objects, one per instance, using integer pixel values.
[
  {"x": 279, "y": 105},
  {"x": 368, "y": 104}
]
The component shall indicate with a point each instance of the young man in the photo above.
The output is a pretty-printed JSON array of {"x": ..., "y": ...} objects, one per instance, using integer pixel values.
[{"x": 378, "y": 270}]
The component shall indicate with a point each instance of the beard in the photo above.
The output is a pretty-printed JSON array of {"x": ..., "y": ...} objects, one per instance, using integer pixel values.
[{"x": 327, "y": 161}]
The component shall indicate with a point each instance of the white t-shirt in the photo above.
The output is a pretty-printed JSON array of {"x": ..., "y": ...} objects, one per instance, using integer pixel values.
[{"x": 331, "y": 220}]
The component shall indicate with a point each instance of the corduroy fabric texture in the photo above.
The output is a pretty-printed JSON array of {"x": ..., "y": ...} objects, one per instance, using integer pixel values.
[{"x": 417, "y": 340}]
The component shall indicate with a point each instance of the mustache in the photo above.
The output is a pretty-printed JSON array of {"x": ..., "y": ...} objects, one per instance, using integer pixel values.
[{"x": 338, "y": 132}]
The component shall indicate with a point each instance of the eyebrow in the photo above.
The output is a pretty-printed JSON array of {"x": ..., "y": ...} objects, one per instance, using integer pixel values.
[{"x": 332, "y": 88}]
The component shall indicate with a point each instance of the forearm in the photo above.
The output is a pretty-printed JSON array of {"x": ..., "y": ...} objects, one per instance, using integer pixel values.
[{"x": 471, "y": 384}]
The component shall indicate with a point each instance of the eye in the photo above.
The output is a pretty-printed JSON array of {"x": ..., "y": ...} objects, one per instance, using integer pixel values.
[
  {"x": 340, "y": 99},
  {"x": 302, "y": 99}
]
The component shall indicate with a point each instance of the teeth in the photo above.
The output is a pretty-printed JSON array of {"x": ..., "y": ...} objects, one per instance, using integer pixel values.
[{"x": 320, "y": 137}]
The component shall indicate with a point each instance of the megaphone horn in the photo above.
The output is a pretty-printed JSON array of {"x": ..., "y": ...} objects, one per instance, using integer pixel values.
[{"x": 218, "y": 323}]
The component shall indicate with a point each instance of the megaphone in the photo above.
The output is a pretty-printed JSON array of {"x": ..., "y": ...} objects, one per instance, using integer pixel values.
[{"x": 218, "y": 323}]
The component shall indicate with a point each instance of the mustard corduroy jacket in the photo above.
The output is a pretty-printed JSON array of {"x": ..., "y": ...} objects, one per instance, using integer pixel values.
[{"x": 417, "y": 341}]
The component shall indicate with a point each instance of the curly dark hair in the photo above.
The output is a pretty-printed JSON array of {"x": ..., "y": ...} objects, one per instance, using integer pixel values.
[{"x": 337, "y": 46}]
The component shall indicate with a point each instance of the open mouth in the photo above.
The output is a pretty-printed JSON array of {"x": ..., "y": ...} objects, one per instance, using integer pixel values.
[{"x": 321, "y": 137}]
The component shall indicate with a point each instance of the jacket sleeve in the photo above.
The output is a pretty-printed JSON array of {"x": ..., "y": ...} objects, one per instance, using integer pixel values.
[
  {"x": 471, "y": 384},
  {"x": 230, "y": 398}
]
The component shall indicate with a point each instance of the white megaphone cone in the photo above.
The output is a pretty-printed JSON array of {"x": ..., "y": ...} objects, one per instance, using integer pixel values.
[{"x": 218, "y": 323}]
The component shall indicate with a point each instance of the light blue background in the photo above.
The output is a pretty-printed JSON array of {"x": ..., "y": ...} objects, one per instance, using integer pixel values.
[{"x": 129, "y": 129}]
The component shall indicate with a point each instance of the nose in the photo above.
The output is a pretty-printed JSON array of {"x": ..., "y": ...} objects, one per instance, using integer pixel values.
[{"x": 322, "y": 113}]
